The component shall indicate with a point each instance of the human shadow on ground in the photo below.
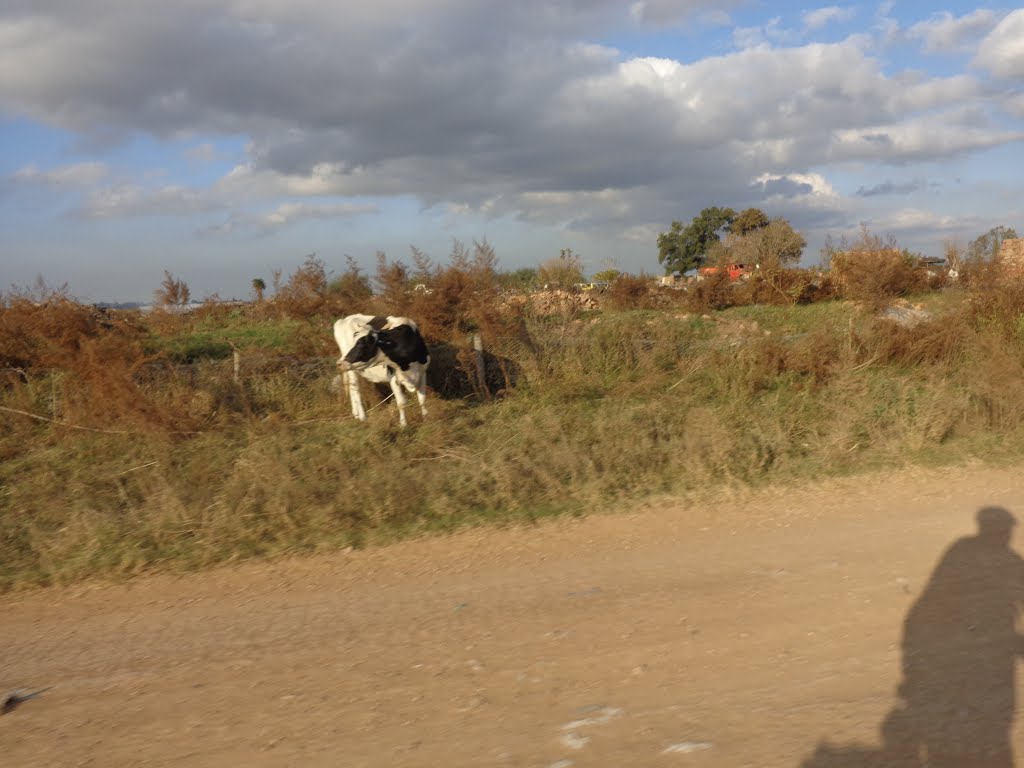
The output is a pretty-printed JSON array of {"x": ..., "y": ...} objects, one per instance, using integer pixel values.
[{"x": 960, "y": 646}]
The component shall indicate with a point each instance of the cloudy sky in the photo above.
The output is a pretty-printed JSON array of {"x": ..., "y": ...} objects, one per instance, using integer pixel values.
[{"x": 222, "y": 139}]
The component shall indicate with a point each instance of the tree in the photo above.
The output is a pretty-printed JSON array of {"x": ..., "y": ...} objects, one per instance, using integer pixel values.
[
  {"x": 563, "y": 271},
  {"x": 685, "y": 248},
  {"x": 259, "y": 285},
  {"x": 303, "y": 294},
  {"x": 748, "y": 221},
  {"x": 986, "y": 247},
  {"x": 172, "y": 292},
  {"x": 606, "y": 276},
  {"x": 518, "y": 280},
  {"x": 393, "y": 281},
  {"x": 772, "y": 246},
  {"x": 351, "y": 285}
]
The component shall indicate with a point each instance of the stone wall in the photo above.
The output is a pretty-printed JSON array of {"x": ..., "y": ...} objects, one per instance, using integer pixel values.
[{"x": 1011, "y": 255}]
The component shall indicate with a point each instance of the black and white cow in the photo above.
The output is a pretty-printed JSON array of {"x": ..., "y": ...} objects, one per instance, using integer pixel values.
[{"x": 382, "y": 350}]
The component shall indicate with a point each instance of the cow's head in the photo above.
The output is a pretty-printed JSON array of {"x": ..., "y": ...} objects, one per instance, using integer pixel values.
[{"x": 363, "y": 352}]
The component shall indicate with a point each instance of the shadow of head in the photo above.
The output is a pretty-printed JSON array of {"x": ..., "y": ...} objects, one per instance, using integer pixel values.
[{"x": 995, "y": 524}]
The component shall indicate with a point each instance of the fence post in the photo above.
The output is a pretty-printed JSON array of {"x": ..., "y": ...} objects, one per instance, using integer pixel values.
[
  {"x": 237, "y": 360},
  {"x": 55, "y": 379},
  {"x": 481, "y": 373}
]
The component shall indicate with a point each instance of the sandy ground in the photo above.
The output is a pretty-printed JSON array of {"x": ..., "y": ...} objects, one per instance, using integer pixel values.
[{"x": 745, "y": 632}]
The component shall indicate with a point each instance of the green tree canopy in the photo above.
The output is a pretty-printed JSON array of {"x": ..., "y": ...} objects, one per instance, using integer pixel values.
[
  {"x": 351, "y": 284},
  {"x": 259, "y": 285},
  {"x": 518, "y": 280},
  {"x": 685, "y": 248},
  {"x": 774, "y": 245},
  {"x": 748, "y": 221},
  {"x": 606, "y": 275}
]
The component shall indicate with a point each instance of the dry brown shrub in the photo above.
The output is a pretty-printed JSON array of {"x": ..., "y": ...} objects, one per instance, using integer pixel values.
[
  {"x": 760, "y": 360},
  {"x": 995, "y": 379},
  {"x": 172, "y": 292},
  {"x": 350, "y": 292},
  {"x": 631, "y": 292},
  {"x": 393, "y": 286},
  {"x": 996, "y": 305},
  {"x": 34, "y": 334},
  {"x": 305, "y": 293},
  {"x": 785, "y": 286},
  {"x": 876, "y": 275},
  {"x": 816, "y": 356},
  {"x": 453, "y": 301},
  {"x": 714, "y": 292},
  {"x": 933, "y": 342},
  {"x": 91, "y": 356}
]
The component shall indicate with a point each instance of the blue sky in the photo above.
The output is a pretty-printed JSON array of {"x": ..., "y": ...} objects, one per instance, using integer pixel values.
[{"x": 224, "y": 139}]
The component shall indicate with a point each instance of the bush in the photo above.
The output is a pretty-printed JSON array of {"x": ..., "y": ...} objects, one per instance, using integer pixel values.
[
  {"x": 714, "y": 292},
  {"x": 876, "y": 276},
  {"x": 630, "y": 292}
]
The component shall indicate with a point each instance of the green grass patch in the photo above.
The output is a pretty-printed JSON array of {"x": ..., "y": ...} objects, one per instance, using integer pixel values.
[{"x": 212, "y": 341}]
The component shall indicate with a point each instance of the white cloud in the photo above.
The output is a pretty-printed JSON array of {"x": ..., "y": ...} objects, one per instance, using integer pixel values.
[
  {"x": 661, "y": 12},
  {"x": 919, "y": 138},
  {"x": 770, "y": 32},
  {"x": 1014, "y": 105},
  {"x": 129, "y": 200},
  {"x": 889, "y": 187},
  {"x": 912, "y": 219},
  {"x": 289, "y": 213},
  {"x": 76, "y": 175},
  {"x": 1002, "y": 51},
  {"x": 808, "y": 190},
  {"x": 945, "y": 33},
  {"x": 821, "y": 17},
  {"x": 286, "y": 215},
  {"x": 887, "y": 27}
]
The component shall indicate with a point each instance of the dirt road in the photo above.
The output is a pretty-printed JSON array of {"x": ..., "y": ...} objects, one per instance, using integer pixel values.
[{"x": 737, "y": 633}]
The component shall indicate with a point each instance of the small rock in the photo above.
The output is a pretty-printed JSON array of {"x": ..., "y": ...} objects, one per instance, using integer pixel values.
[
  {"x": 686, "y": 747},
  {"x": 603, "y": 715},
  {"x": 574, "y": 741}
]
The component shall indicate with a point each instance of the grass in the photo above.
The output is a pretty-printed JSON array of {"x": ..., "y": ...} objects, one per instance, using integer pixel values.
[
  {"x": 209, "y": 339},
  {"x": 614, "y": 407},
  {"x": 791, "y": 320}
]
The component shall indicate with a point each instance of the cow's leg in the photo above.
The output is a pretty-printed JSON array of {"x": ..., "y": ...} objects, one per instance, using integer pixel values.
[
  {"x": 396, "y": 388},
  {"x": 416, "y": 385},
  {"x": 352, "y": 379},
  {"x": 421, "y": 392}
]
